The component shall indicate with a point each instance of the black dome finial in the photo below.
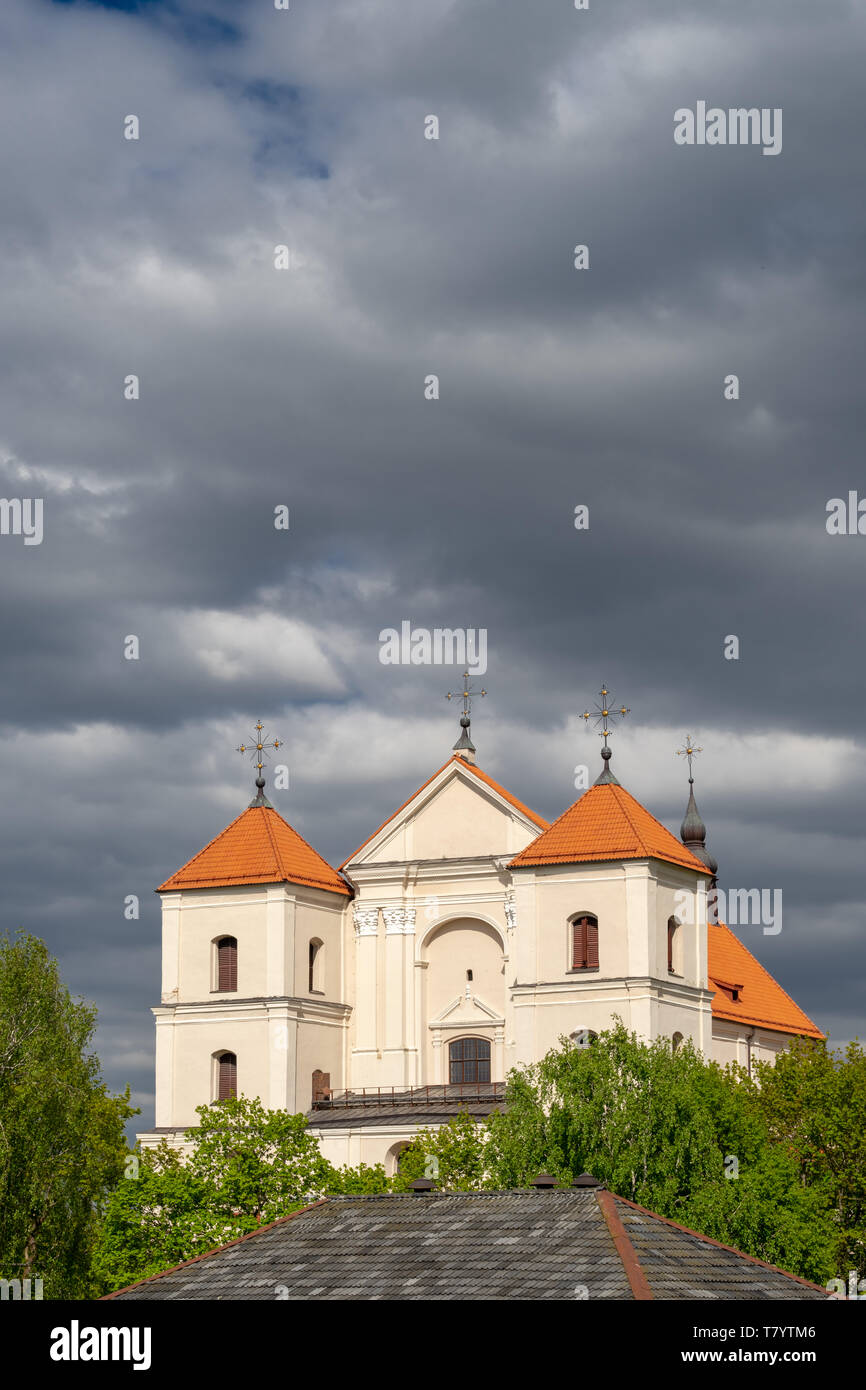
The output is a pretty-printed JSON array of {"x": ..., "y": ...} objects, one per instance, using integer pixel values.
[
  {"x": 464, "y": 745},
  {"x": 693, "y": 832}
]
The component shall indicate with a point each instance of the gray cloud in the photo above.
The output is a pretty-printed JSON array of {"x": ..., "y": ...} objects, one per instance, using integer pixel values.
[{"x": 306, "y": 388}]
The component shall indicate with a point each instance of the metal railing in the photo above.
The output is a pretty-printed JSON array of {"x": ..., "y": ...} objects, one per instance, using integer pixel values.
[{"x": 476, "y": 1091}]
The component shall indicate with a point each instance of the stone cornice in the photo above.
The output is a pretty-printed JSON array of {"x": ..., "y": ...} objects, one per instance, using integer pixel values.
[
  {"x": 259, "y": 1004},
  {"x": 624, "y": 985}
]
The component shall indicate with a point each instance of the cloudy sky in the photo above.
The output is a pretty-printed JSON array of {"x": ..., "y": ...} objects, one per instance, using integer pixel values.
[{"x": 305, "y": 388}]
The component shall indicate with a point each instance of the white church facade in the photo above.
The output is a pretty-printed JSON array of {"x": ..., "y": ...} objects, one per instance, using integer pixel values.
[{"x": 465, "y": 937}]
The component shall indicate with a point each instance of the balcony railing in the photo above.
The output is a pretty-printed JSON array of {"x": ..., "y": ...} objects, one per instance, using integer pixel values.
[{"x": 420, "y": 1096}]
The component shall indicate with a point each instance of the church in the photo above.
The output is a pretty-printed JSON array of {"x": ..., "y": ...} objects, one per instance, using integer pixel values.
[{"x": 464, "y": 937}]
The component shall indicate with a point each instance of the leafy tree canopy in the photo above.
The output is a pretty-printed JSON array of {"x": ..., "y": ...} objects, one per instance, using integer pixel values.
[{"x": 61, "y": 1134}]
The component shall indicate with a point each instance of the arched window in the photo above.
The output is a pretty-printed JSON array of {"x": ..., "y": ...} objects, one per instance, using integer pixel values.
[
  {"x": 227, "y": 963},
  {"x": 584, "y": 943},
  {"x": 227, "y": 1078},
  {"x": 673, "y": 946},
  {"x": 317, "y": 961},
  {"x": 394, "y": 1157},
  {"x": 583, "y": 1037},
  {"x": 469, "y": 1060},
  {"x": 675, "y": 1041}
]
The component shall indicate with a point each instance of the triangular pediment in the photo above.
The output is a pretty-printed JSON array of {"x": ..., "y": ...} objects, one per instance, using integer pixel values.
[
  {"x": 460, "y": 813},
  {"x": 467, "y": 1010}
]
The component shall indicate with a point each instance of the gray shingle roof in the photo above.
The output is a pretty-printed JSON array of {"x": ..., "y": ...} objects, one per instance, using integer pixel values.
[
  {"x": 561, "y": 1244},
  {"x": 382, "y": 1116}
]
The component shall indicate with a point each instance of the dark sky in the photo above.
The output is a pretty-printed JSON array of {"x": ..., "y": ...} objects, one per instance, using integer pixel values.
[{"x": 305, "y": 387}]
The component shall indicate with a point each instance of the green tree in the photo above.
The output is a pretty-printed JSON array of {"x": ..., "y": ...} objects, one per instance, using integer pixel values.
[
  {"x": 255, "y": 1164},
  {"x": 156, "y": 1217},
  {"x": 814, "y": 1103},
  {"x": 62, "y": 1146},
  {"x": 453, "y": 1156},
  {"x": 364, "y": 1181},
  {"x": 669, "y": 1131},
  {"x": 246, "y": 1166}
]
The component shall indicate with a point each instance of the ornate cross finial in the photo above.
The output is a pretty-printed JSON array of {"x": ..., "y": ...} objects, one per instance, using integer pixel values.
[
  {"x": 464, "y": 745},
  {"x": 603, "y": 714},
  {"x": 467, "y": 692},
  {"x": 689, "y": 752},
  {"x": 258, "y": 748}
]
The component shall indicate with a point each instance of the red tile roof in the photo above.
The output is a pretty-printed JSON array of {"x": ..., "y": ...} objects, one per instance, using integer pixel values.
[
  {"x": 467, "y": 767},
  {"x": 761, "y": 1002},
  {"x": 606, "y": 823},
  {"x": 258, "y": 847}
]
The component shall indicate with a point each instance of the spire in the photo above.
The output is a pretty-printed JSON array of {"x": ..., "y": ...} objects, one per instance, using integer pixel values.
[
  {"x": 464, "y": 745},
  {"x": 693, "y": 832},
  {"x": 603, "y": 715},
  {"x": 258, "y": 747}
]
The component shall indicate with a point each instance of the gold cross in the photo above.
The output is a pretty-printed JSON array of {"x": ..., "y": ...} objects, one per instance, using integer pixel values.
[
  {"x": 689, "y": 752},
  {"x": 259, "y": 747},
  {"x": 604, "y": 713},
  {"x": 467, "y": 692}
]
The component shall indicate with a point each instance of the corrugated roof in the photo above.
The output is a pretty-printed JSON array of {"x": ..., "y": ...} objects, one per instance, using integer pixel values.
[
  {"x": 258, "y": 847},
  {"x": 762, "y": 1002},
  {"x": 607, "y": 822},
  {"x": 475, "y": 772}
]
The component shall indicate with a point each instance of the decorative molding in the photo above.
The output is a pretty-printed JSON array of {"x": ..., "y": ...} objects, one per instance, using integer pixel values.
[
  {"x": 399, "y": 921},
  {"x": 484, "y": 1015},
  {"x": 366, "y": 920},
  {"x": 510, "y": 911}
]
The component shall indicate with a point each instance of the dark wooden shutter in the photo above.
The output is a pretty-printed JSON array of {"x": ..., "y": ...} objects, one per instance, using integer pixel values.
[
  {"x": 578, "y": 945},
  {"x": 228, "y": 1083},
  {"x": 584, "y": 935},
  {"x": 227, "y": 959},
  {"x": 671, "y": 930},
  {"x": 321, "y": 1085},
  {"x": 591, "y": 943}
]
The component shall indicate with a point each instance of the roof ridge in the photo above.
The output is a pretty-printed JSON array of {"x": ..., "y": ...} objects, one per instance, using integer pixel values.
[
  {"x": 278, "y": 858},
  {"x": 304, "y": 842},
  {"x": 661, "y": 825},
  {"x": 624, "y": 808},
  {"x": 634, "y": 1273}
]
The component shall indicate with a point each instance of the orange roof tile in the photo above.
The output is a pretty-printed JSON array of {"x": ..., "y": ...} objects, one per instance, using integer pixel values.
[
  {"x": 761, "y": 1001},
  {"x": 476, "y": 772},
  {"x": 606, "y": 823},
  {"x": 258, "y": 847}
]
